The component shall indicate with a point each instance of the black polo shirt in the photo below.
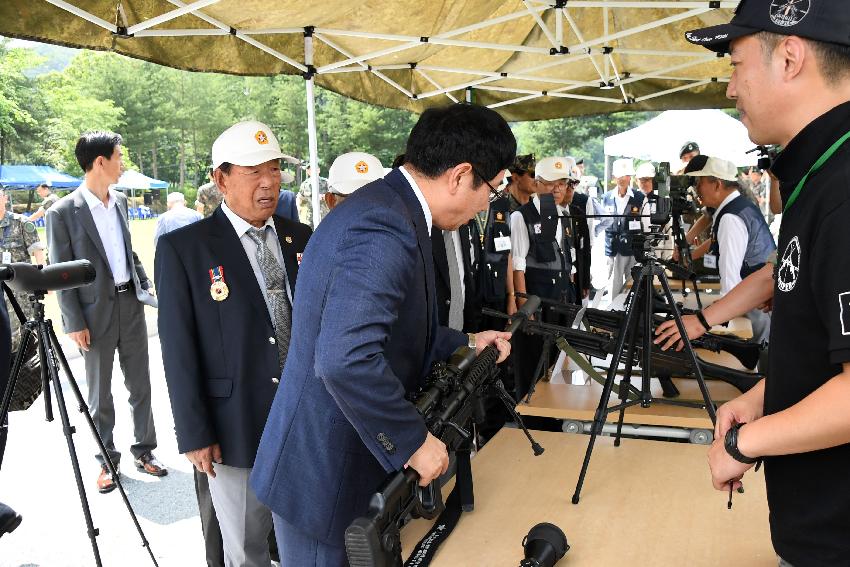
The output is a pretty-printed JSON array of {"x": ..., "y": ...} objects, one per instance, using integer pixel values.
[{"x": 809, "y": 493}]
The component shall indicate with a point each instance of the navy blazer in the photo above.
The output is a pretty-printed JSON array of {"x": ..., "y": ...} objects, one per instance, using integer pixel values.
[
  {"x": 286, "y": 205},
  {"x": 220, "y": 357},
  {"x": 364, "y": 335}
]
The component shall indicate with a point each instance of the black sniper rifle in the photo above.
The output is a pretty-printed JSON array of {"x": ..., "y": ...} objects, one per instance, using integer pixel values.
[
  {"x": 447, "y": 403},
  {"x": 606, "y": 325}
]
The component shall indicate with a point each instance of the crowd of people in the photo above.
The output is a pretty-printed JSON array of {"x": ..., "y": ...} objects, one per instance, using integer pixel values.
[{"x": 291, "y": 344}]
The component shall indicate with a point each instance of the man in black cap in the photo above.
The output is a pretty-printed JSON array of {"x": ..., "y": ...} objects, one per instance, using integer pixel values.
[
  {"x": 791, "y": 84},
  {"x": 688, "y": 152}
]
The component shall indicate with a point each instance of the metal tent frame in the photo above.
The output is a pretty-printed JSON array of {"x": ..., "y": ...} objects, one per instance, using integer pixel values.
[{"x": 555, "y": 36}]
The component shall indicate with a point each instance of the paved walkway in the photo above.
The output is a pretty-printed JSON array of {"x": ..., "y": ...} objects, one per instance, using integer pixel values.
[{"x": 38, "y": 481}]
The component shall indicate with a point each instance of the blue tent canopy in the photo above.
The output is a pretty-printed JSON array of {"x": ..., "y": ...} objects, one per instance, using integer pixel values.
[{"x": 31, "y": 176}]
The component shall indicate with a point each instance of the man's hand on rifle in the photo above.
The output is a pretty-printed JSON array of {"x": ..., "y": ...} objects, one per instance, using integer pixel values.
[
  {"x": 668, "y": 333},
  {"x": 430, "y": 460},
  {"x": 499, "y": 339}
]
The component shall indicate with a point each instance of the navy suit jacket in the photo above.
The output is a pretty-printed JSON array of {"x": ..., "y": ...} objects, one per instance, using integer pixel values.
[
  {"x": 364, "y": 335},
  {"x": 286, "y": 205},
  {"x": 221, "y": 362}
]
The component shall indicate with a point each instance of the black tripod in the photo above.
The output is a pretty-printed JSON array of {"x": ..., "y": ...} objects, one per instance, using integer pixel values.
[
  {"x": 51, "y": 356},
  {"x": 640, "y": 312}
]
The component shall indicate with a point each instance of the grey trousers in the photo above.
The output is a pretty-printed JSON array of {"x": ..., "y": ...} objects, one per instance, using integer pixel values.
[
  {"x": 244, "y": 521},
  {"x": 128, "y": 334},
  {"x": 761, "y": 325},
  {"x": 619, "y": 272}
]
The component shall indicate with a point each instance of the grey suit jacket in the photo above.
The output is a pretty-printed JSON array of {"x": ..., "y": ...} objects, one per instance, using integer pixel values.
[{"x": 72, "y": 235}]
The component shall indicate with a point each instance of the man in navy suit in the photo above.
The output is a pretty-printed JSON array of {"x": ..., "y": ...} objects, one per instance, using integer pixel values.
[
  {"x": 365, "y": 333},
  {"x": 226, "y": 285}
]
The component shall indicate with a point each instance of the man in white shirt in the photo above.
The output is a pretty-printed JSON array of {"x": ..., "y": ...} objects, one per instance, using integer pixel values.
[
  {"x": 107, "y": 315},
  {"x": 621, "y": 206},
  {"x": 741, "y": 239}
]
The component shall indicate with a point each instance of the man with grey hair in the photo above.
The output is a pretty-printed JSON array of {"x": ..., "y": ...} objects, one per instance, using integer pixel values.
[{"x": 177, "y": 216}]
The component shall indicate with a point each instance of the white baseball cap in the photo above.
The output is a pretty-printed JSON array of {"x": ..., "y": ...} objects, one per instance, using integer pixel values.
[
  {"x": 245, "y": 143},
  {"x": 175, "y": 197},
  {"x": 554, "y": 168},
  {"x": 353, "y": 170},
  {"x": 705, "y": 166},
  {"x": 623, "y": 167},
  {"x": 646, "y": 169}
]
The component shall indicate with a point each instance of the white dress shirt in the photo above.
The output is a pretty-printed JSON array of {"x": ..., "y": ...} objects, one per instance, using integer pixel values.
[
  {"x": 418, "y": 192},
  {"x": 241, "y": 227},
  {"x": 108, "y": 221},
  {"x": 732, "y": 238},
  {"x": 519, "y": 235}
]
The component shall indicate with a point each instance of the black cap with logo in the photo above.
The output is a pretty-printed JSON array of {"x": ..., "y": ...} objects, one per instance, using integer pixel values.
[
  {"x": 688, "y": 148},
  {"x": 819, "y": 20}
]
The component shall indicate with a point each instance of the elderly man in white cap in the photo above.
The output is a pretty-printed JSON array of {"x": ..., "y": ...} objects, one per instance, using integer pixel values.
[
  {"x": 177, "y": 216},
  {"x": 543, "y": 247},
  {"x": 740, "y": 237},
  {"x": 624, "y": 204},
  {"x": 350, "y": 172},
  {"x": 225, "y": 321}
]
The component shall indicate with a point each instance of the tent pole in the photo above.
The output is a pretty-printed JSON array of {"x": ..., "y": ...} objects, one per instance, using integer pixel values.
[
  {"x": 311, "y": 127},
  {"x": 605, "y": 179}
]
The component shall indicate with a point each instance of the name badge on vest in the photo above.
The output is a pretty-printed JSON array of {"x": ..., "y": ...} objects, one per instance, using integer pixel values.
[
  {"x": 634, "y": 225},
  {"x": 7, "y": 257},
  {"x": 504, "y": 242},
  {"x": 538, "y": 229},
  {"x": 710, "y": 261}
]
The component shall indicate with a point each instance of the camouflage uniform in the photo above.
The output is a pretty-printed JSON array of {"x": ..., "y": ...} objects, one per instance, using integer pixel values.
[
  {"x": 49, "y": 201},
  {"x": 18, "y": 240},
  {"x": 305, "y": 203},
  {"x": 210, "y": 197}
]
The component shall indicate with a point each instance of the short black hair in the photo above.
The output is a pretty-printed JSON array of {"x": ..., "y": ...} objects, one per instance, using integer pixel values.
[
  {"x": 461, "y": 133},
  {"x": 92, "y": 145},
  {"x": 398, "y": 161}
]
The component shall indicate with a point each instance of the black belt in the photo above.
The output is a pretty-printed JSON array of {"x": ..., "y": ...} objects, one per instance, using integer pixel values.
[{"x": 124, "y": 287}]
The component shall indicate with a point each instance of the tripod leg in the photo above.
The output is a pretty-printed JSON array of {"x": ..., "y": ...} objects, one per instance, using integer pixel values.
[
  {"x": 49, "y": 337},
  {"x": 601, "y": 410},
  {"x": 69, "y": 430},
  {"x": 26, "y": 337},
  {"x": 626, "y": 381},
  {"x": 677, "y": 316}
]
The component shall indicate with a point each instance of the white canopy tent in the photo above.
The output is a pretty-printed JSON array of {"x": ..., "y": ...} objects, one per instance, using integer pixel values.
[{"x": 661, "y": 139}]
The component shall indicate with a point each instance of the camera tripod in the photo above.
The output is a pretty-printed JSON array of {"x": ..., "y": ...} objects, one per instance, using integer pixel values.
[
  {"x": 51, "y": 356},
  {"x": 640, "y": 311}
]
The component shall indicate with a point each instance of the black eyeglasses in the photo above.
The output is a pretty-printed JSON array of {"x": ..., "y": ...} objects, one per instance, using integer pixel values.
[{"x": 494, "y": 193}]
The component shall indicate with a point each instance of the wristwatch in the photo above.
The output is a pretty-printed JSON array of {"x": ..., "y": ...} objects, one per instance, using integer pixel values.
[
  {"x": 471, "y": 341},
  {"x": 730, "y": 443},
  {"x": 702, "y": 319}
]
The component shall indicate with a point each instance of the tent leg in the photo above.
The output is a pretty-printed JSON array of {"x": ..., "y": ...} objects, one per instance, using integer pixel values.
[
  {"x": 605, "y": 180},
  {"x": 311, "y": 127}
]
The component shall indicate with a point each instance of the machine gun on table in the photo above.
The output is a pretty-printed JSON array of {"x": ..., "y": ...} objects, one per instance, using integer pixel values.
[
  {"x": 447, "y": 403},
  {"x": 601, "y": 341}
]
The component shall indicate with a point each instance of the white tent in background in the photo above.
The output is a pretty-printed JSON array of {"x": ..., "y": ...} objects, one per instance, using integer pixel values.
[
  {"x": 134, "y": 180},
  {"x": 660, "y": 139}
]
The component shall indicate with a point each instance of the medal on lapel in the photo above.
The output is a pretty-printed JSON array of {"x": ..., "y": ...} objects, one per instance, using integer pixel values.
[
  {"x": 218, "y": 289},
  {"x": 298, "y": 256},
  {"x": 288, "y": 239}
]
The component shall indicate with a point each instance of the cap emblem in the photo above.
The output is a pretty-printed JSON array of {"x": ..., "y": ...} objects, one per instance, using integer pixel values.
[
  {"x": 788, "y": 13},
  {"x": 559, "y": 165},
  {"x": 261, "y": 137},
  {"x": 361, "y": 167}
]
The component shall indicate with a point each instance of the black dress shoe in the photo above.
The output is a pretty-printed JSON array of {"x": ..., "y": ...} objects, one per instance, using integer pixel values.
[{"x": 9, "y": 520}]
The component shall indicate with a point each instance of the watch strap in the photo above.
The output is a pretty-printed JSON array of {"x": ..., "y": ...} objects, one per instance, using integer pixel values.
[
  {"x": 730, "y": 443},
  {"x": 703, "y": 320}
]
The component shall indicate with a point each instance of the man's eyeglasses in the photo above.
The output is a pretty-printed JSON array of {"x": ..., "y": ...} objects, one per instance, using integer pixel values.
[{"x": 494, "y": 192}]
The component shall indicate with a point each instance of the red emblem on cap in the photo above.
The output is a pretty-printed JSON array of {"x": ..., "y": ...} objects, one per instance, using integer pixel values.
[
  {"x": 361, "y": 167},
  {"x": 261, "y": 137}
]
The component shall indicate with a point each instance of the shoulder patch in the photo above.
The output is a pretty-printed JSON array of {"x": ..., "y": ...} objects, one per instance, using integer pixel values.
[{"x": 29, "y": 226}]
